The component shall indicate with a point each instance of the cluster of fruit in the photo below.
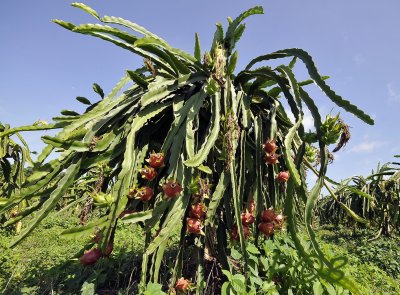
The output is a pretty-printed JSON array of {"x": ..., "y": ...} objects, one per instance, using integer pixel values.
[
  {"x": 171, "y": 188},
  {"x": 145, "y": 193},
  {"x": 270, "y": 222},
  {"x": 271, "y": 158},
  {"x": 197, "y": 214}
]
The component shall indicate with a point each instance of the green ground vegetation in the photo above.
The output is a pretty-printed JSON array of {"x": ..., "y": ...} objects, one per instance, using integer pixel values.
[{"x": 44, "y": 263}]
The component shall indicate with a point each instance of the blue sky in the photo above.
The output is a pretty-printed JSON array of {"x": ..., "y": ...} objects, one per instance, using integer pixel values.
[{"x": 44, "y": 67}]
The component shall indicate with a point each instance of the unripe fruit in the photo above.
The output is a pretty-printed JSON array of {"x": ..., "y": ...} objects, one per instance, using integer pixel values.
[
  {"x": 101, "y": 199},
  {"x": 156, "y": 160},
  {"x": 267, "y": 228},
  {"x": 148, "y": 173},
  {"x": 268, "y": 215},
  {"x": 182, "y": 285},
  {"x": 171, "y": 189},
  {"x": 270, "y": 146},
  {"x": 198, "y": 210},
  {"x": 90, "y": 257},
  {"x": 283, "y": 176},
  {"x": 193, "y": 225}
]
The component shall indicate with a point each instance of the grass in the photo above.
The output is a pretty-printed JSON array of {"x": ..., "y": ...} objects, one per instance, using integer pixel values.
[
  {"x": 374, "y": 266},
  {"x": 44, "y": 263}
]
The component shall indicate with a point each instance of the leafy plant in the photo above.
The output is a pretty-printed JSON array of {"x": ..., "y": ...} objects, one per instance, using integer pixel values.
[
  {"x": 380, "y": 254},
  {"x": 13, "y": 158},
  {"x": 47, "y": 261},
  {"x": 153, "y": 288},
  {"x": 371, "y": 200},
  {"x": 372, "y": 264},
  {"x": 277, "y": 269},
  {"x": 209, "y": 121}
]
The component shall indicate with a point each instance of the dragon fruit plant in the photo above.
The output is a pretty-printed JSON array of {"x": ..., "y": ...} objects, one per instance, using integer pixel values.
[{"x": 185, "y": 130}]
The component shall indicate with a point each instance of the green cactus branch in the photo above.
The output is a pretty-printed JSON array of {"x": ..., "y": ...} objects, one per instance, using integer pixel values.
[{"x": 208, "y": 126}]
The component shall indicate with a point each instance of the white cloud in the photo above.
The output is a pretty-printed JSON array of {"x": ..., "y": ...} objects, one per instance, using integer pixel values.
[
  {"x": 393, "y": 95},
  {"x": 291, "y": 116},
  {"x": 366, "y": 136},
  {"x": 366, "y": 146},
  {"x": 308, "y": 120}
]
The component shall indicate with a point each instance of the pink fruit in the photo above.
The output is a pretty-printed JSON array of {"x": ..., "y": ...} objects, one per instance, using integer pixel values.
[
  {"x": 148, "y": 173},
  {"x": 235, "y": 232},
  {"x": 267, "y": 228},
  {"x": 247, "y": 218},
  {"x": 270, "y": 146},
  {"x": 198, "y": 210},
  {"x": 193, "y": 225},
  {"x": 156, "y": 160},
  {"x": 182, "y": 285},
  {"x": 171, "y": 189},
  {"x": 90, "y": 257},
  {"x": 283, "y": 176},
  {"x": 268, "y": 215},
  {"x": 144, "y": 193},
  {"x": 272, "y": 159}
]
